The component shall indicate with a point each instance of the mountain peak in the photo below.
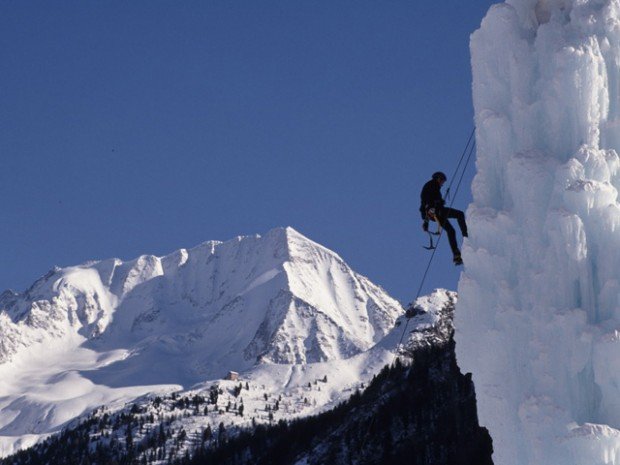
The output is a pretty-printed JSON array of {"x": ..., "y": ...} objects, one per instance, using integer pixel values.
[
  {"x": 113, "y": 330},
  {"x": 278, "y": 298}
]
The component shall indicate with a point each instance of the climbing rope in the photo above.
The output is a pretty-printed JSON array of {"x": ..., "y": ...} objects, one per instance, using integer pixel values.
[{"x": 469, "y": 149}]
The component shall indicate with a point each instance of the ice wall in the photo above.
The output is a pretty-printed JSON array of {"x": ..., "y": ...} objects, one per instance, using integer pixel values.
[{"x": 538, "y": 316}]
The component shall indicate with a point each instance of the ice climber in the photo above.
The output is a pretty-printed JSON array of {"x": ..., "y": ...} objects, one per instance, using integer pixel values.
[{"x": 432, "y": 208}]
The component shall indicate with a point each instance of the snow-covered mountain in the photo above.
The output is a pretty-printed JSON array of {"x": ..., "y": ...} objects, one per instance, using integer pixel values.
[
  {"x": 538, "y": 317},
  {"x": 107, "y": 332},
  {"x": 419, "y": 409}
]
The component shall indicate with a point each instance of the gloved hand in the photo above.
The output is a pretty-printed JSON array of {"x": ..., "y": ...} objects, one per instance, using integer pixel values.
[{"x": 425, "y": 226}]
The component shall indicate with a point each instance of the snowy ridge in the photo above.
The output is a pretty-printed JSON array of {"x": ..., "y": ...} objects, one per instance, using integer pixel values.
[
  {"x": 539, "y": 301},
  {"x": 104, "y": 333},
  {"x": 213, "y": 285}
]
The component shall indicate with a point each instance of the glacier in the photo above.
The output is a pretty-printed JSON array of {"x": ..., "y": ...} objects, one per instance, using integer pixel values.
[{"x": 538, "y": 316}]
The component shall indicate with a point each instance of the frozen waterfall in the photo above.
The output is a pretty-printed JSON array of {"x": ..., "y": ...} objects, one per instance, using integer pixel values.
[{"x": 538, "y": 317}]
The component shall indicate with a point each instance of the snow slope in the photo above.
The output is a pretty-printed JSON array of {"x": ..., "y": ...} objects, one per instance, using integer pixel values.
[
  {"x": 539, "y": 301},
  {"x": 106, "y": 332}
]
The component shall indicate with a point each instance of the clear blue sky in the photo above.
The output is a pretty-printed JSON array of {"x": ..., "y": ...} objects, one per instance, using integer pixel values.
[{"x": 147, "y": 126}]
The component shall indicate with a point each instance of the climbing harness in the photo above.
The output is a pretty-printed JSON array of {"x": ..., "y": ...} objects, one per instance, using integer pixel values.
[{"x": 431, "y": 216}]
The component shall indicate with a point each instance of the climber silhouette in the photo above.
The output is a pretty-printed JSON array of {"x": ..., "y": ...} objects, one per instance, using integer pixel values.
[{"x": 432, "y": 208}]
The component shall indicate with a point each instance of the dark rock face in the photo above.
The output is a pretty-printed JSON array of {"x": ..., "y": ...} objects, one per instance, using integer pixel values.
[{"x": 441, "y": 401}]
